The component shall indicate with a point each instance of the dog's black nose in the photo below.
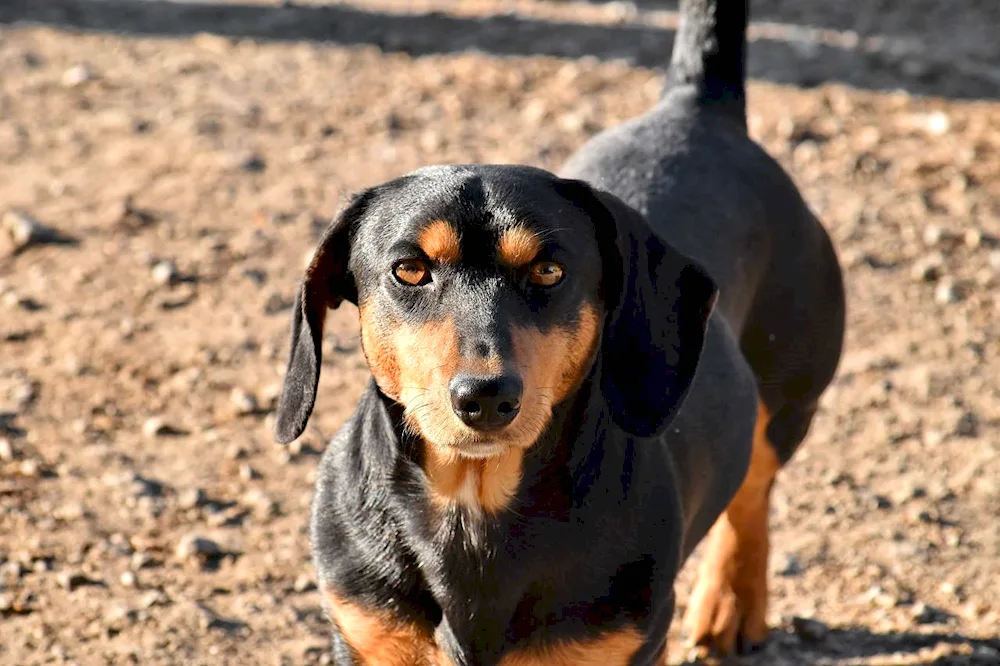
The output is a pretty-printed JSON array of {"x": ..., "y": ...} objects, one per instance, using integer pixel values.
[{"x": 486, "y": 403}]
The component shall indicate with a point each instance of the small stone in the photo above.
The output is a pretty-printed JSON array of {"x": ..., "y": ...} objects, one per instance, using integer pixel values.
[
  {"x": 276, "y": 303},
  {"x": 243, "y": 403},
  {"x": 248, "y": 473},
  {"x": 927, "y": 269},
  {"x": 30, "y": 468},
  {"x": 128, "y": 579},
  {"x": 810, "y": 631},
  {"x": 973, "y": 238},
  {"x": 967, "y": 425},
  {"x": 947, "y": 292},
  {"x": 152, "y": 598},
  {"x": 254, "y": 163},
  {"x": 120, "y": 614},
  {"x": 25, "y": 231},
  {"x": 157, "y": 427},
  {"x": 12, "y": 570},
  {"x": 236, "y": 452},
  {"x": 995, "y": 259},
  {"x": 882, "y": 502},
  {"x": 925, "y": 614},
  {"x": 788, "y": 566},
  {"x": 263, "y": 506},
  {"x": 165, "y": 273},
  {"x": 304, "y": 583},
  {"x": 71, "y": 580},
  {"x": 935, "y": 235},
  {"x": 140, "y": 560},
  {"x": 938, "y": 123},
  {"x": 77, "y": 75},
  {"x": 191, "y": 498},
  {"x": 192, "y": 546},
  {"x": 6, "y": 450}
]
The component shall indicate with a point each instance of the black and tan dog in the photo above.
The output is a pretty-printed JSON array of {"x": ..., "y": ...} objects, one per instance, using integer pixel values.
[{"x": 576, "y": 379}]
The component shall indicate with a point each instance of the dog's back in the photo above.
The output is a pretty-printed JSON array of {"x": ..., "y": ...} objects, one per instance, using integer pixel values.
[{"x": 690, "y": 168}]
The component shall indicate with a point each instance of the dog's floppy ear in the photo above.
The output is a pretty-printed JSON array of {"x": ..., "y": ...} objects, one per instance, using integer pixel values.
[
  {"x": 659, "y": 302},
  {"x": 326, "y": 284}
]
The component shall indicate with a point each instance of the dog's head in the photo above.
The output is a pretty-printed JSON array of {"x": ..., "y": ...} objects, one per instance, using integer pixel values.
[{"x": 485, "y": 294}]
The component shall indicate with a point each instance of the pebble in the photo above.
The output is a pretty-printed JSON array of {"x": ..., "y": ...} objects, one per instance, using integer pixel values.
[
  {"x": 6, "y": 450},
  {"x": 30, "y": 467},
  {"x": 120, "y": 614},
  {"x": 304, "y": 583},
  {"x": 77, "y": 75},
  {"x": 995, "y": 259},
  {"x": 12, "y": 570},
  {"x": 928, "y": 268},
  {"x": 71, "y": 580},
  {"x": 925, "y": 614},
  {"x": 263, "y": 506},
  {"x": 165, "y": 273},
  {"x": 810, "y": 631},
  {"x": 25, "y": 231},
  {"x": 243, "y": 402},
  {"x": 276, "y": 303},
  {"x": 935, "y": 235},
  {"x": 938, "y": 123},
  {"x": 967, "y": 425},
  {"x": 248, "y": 473},
  {"x": 788, "y": 566},
  {"x": 254, "y": 163},
  {"x": 973, "y": 238},
  {"x": 140, "y": 560},
  {"x": 236, "y": 452},
  {"x": 152, "y": 598},
  {"x": 193, "y": 546},
  {"x": 947, "y": 292},
  {"x": 156, "y": 427},
  {"x": 191, "y": 498},
  {"x": 128, "y": 579}
]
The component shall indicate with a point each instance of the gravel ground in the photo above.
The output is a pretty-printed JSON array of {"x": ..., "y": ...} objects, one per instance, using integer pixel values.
[{"x": 161, "y": 187}]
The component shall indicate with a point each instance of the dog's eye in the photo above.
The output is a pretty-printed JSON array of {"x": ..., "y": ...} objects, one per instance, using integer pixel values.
[
  {"x": 413, "y": 272},
  {"x": 545, "y": 274}
]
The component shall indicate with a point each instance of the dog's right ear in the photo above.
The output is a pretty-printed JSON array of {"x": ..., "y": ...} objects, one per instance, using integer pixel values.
[{"x": 326, "y": 284}]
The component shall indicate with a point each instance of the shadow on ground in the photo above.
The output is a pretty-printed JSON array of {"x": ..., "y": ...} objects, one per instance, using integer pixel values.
[
  {"x": 795, "y": 59},
  {"x": 786, "y": 648}
]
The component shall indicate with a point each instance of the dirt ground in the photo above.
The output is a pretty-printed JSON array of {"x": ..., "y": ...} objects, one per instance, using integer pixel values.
[{"x": 188, "y": 158}]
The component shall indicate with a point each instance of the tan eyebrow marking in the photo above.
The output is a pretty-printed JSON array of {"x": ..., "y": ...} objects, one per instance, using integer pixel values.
[
  {"x": 439, "y": 241},
  {"x": 518, "y": 246}
]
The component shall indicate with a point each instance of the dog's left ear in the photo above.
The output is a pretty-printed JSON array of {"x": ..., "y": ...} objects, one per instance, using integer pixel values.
[
  {"x": 326, "y": 284},
  {"x": 659, "y": 302}
]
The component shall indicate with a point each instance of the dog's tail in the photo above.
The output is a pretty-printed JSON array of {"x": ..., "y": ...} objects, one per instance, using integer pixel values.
[{"x": 709, "y": 53}]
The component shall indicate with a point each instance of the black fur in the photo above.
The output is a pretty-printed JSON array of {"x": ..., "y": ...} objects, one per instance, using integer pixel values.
[{"x": 647, "y": 451}]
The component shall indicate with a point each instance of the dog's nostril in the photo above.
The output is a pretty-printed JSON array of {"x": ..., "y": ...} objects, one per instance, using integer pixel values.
[{"x": 486, "y": 403}]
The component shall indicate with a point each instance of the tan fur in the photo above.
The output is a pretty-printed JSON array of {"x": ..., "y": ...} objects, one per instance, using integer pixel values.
[
  {"x": 613, "y": 649},
  {"x": 489, "y": 483},
  {"x": 440, "y": 242},
  {"x": 381, "y": 640},
  {"x": 730, "y": 596},
  {"x": 414, "y": 366},
  {"x": 518, "y": 246}
]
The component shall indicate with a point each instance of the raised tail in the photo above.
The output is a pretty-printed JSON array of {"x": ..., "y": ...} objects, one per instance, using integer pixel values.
[{"x": 709, "y": 53}]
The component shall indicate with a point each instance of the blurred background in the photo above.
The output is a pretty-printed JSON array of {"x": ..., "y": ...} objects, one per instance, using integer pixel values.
[{"x": 166, "y": 168}]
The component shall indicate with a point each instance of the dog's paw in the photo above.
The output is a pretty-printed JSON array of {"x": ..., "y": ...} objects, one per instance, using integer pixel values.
[{"x": 725, "y": 619}]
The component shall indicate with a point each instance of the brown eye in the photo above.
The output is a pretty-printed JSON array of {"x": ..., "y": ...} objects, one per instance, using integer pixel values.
[
  {"x": 545, "y": 274},
  {"x": 413, "y": 272}
]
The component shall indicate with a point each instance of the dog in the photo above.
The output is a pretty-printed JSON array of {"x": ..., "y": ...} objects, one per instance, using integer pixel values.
[{"x": 576, "y": 379}]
